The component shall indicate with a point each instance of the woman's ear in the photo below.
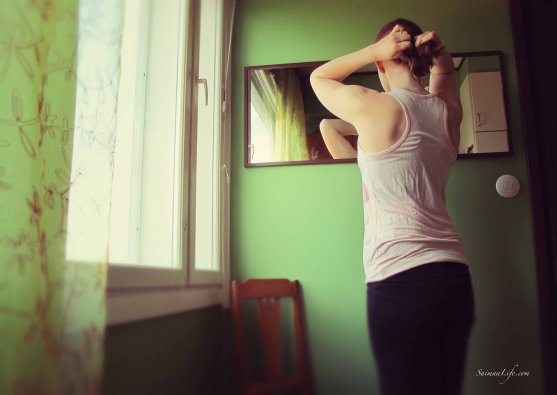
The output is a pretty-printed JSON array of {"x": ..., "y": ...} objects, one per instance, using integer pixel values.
[{"x": 380, "y": 66}]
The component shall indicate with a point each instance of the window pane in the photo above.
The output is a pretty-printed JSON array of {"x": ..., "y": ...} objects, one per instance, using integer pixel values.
[
  {"x": 124, "y": 231},
  {"x": 157, "y": 226},
  {"x": 147, "y": 206}
]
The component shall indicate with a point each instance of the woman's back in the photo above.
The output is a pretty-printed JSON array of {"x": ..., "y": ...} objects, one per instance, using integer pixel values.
[
  {"x": 420, "y": 300},
  {"x": 406, "y": 221}
]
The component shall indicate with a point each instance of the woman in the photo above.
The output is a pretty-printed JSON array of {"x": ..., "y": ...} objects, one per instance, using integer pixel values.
[{"x": 420, "y": 297}]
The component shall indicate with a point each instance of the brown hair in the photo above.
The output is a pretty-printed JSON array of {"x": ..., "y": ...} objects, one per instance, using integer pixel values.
[{"x": 419, "y": 59}]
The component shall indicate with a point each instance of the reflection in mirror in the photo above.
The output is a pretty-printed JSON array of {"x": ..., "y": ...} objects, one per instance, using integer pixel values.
[
  {"x": 282, "y": 113},
  {"x": 484, "y": 127}
]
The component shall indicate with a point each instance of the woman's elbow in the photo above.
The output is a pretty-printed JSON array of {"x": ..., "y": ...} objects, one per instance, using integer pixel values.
[
  {"x": 326, "y": 126},
  {"x": 313, "y": 80}
]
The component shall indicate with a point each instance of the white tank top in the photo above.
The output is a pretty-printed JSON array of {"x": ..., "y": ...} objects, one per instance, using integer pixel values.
[{"x": 406, "y": 221}]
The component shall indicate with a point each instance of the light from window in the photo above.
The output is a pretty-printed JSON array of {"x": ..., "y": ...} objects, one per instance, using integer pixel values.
[{"x": 146, "y": 212}]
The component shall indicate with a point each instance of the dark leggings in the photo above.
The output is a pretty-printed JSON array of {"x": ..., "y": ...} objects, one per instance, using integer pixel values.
[{"x": 419, "y": 322}]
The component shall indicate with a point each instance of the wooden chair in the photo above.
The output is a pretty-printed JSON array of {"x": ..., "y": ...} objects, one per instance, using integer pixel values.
[{"x": 268, "y": 294}]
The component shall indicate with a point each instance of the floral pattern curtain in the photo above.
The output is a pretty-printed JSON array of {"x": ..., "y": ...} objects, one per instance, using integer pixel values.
[{"x": 56, "y": 100}]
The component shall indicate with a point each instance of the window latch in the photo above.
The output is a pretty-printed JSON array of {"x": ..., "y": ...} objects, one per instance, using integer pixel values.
[{"x": 204, "y": 82}]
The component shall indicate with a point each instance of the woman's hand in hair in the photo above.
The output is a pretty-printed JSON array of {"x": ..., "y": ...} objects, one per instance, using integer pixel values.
[
  {"x": 426, "y": 37},
  {"x": 392, "y": 45}
]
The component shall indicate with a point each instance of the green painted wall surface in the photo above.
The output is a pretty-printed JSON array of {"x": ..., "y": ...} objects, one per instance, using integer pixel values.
[
  {"x": 176, "y": 354},
  {"x": 306, "y": 222}
]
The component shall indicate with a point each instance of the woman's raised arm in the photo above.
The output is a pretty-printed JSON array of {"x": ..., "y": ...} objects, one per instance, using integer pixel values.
[
  {"x": 347, "y": 101},
  {"x": 442, "y": 80}
]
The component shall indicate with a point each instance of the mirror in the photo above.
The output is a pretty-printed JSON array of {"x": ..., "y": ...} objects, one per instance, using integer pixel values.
[{"x": 281, "y": 125}]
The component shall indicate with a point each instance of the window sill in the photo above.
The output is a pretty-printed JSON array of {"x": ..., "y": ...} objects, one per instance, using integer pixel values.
[{"x": 133, "y": 305}]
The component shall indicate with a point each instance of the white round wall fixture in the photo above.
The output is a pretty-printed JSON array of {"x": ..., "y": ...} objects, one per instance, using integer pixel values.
[{"x": 507, "y": 186}]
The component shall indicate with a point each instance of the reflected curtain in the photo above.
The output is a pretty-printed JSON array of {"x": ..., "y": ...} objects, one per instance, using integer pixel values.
[
  {"x": 52, "y": 309},
  {"x": 290, "y": 124}
]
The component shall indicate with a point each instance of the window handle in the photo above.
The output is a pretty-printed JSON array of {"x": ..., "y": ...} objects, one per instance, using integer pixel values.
[{"x": 204, "y": 82}]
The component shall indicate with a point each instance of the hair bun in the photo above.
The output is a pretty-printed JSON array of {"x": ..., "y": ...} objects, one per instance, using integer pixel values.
[
  {"x": 422, "y": 57},
  {"x": 419, "y": 59}
]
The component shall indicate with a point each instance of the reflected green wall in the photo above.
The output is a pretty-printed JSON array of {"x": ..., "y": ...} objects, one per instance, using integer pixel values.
[
  {"x": 306, "y": 222},
  {"x": 477, "y": 65}
]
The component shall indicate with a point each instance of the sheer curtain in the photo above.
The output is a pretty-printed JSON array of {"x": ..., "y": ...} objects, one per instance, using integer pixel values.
[{"x": 59, "y": 71}]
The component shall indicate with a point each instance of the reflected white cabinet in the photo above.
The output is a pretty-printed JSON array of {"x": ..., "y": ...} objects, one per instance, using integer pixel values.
[{"x": 484, "y": 124}]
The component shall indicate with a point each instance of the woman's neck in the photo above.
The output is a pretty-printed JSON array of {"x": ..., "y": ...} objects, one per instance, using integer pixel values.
[{"x": 403, "y": 79}]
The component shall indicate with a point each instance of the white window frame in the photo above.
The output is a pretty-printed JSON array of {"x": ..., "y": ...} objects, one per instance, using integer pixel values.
[
  {"x": 195, "y": 275},
  {"x": 136, "y": 292}
]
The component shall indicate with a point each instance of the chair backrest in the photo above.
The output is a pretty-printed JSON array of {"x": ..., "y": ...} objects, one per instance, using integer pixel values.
[{"x": 268, "y": 294}]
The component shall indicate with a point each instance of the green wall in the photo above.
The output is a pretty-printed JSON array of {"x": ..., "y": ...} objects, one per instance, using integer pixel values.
[
  {"x": 177, "y": 354},
  {"x": 306, "y": 222}
]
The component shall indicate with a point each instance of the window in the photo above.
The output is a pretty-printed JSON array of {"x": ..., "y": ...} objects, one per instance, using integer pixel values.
[{"x": 169, "y": 216}]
